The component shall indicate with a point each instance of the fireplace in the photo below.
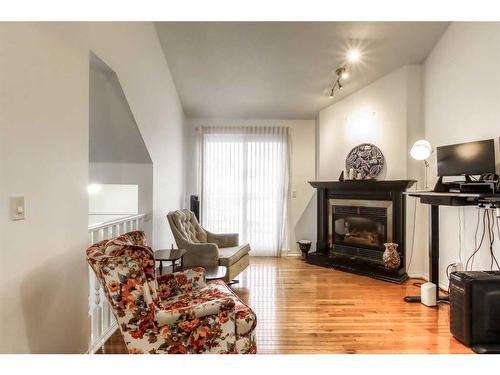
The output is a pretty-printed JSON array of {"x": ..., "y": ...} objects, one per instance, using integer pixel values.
[
  {"x": 359, "y": 227},
  {"x": 355, "y": 219}
]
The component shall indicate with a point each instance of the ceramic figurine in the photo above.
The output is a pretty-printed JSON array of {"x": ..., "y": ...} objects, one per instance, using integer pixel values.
[{"x": 391, "y": 256}]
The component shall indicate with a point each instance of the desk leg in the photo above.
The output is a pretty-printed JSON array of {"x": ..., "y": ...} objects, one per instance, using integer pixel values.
[
  {"x": 434, "y": 247},
  {"x": 433, "y": 255},
  {"x": 434, "y": 251}
]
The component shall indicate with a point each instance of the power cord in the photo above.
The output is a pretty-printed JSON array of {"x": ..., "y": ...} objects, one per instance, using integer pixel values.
[
  {"x": 448, "y": 274},
  {"x": 491, "y": 234},
  {"x": 471, "y": 257}
]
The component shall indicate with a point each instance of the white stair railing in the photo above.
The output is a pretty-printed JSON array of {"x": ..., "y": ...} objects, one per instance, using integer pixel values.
[{"x": 102, "y": 320}]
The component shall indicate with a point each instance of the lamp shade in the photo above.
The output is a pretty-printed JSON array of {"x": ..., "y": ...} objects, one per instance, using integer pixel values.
[{"x": 421, "y": 150}]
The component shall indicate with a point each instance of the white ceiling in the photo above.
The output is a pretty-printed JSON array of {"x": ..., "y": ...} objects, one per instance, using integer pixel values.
[{"x": 282, "y": 70}]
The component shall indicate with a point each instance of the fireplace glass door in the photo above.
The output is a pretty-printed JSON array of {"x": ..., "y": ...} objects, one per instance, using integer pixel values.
[
  {"x": 361, "y": 231},
  {"x": 361, "y": 223}
]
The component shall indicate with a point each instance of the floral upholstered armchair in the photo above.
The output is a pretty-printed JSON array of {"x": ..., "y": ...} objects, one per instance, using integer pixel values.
[{"x": 174, "y": 313}]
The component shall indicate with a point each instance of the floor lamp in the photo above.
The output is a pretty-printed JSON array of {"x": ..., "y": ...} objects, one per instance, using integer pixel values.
[{"x": 421, "y": 150}]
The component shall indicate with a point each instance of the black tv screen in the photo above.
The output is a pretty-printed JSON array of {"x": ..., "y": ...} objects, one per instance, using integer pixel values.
[{"x": 470, "y": 158}]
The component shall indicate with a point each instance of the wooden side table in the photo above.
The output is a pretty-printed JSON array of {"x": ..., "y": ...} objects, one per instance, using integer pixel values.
[
  {"x": 169, "y": 255},
  {"x": 215, "y": 273}
]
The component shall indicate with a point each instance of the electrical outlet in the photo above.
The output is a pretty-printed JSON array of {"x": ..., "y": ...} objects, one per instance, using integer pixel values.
[{"x": 456, "y": 267}]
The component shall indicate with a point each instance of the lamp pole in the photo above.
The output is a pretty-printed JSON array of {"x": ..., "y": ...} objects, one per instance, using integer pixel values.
[{"x": 426, "y": 164}]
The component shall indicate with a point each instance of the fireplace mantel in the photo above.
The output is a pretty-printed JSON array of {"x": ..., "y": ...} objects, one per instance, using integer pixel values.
[
  {"x": 330, "y": 255},
  {"x": 363, "y": 185}
]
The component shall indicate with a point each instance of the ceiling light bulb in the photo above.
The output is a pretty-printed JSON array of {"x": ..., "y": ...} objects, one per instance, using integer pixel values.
[
  {"x": 353, "y": 55},
  {"x": 344, "y": 75}
]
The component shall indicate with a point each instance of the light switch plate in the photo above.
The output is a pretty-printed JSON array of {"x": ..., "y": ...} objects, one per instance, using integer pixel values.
[
  {"x": 294, "y": 194},
  {"x": 17, "y": 210}
]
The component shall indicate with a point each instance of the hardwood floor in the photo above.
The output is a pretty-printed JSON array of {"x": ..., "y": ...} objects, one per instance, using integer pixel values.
[{"x": 303, "y": 308}]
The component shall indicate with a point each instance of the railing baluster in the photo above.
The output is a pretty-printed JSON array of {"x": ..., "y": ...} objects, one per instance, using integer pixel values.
[{"x": 97, "y": 310}]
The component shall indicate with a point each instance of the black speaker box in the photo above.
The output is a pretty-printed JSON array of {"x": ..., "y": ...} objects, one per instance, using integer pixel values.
[
  {"x": 194, "y": 206},
  {"x": 475, "y": 309}
]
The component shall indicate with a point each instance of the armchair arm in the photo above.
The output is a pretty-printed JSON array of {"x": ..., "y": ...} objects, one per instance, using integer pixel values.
[
  {"x": 172, "y": 317},
  {"x": 201, "y": 254},
  {"x": 180, "y": 282},
  {"x": 223, "y": 239}
]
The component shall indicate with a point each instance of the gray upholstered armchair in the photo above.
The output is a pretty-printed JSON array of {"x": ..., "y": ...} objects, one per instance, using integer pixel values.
[{"x": 207, "y": 249}]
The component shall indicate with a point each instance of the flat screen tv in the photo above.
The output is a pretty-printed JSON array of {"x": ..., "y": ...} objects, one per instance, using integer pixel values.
[{"x": 471, "y": 158}]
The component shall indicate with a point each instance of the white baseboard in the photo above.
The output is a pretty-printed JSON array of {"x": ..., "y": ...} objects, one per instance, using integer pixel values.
[
  {"x": 416, "y": 275},
  {"x": 101, "y": 340},
  {"x": 293, "y": 254}
]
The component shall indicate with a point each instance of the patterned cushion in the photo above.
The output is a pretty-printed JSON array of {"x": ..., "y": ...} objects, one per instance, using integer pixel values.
[
  {"x": 246, "y": 319},
  {"x": 230, "y": 255},
  {"x": 181, "y": 282},
  {"x": 133, "y": 244}
]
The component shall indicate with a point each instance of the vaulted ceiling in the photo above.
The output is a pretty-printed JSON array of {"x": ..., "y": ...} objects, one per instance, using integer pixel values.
[{"x": 283, "y": 69}]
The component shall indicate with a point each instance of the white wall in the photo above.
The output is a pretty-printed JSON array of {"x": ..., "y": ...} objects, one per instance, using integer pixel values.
[
  {"x": 302, "y": 217},
  {"x": 117, "y": 152},
  {"x": 113, "y": 132},
  {"x": 128, "y": 173},
  {"x": 44, "y": 133},
  {"x": 462, "y": 96},
  {"x": 44, "y": 104},
  {"x": 389, "y": 114},
  {"x": 375, "y": 114},
  {"x": 133, "y": 51},
  {"x": 114, "y": 199}
]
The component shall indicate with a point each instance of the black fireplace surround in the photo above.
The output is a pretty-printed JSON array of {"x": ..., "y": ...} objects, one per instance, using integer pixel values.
[{"x": 354, "y": 220}]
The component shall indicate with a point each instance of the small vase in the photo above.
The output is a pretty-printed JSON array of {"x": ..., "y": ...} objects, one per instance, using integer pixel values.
[
  {"x": 304, "y": 246},
  {"x": 391, "y": 256}
]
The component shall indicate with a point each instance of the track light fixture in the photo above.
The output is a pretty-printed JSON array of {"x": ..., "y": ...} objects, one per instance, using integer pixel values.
[
  {"x": 337, "y": 84},
  {"x": 342, "y": 73}
]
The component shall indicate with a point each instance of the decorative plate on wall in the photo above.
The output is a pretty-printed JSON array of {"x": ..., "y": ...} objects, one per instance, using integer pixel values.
[{"x": 367, "y": 159}]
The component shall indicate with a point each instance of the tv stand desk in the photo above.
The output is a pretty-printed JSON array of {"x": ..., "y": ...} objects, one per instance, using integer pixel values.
[{"x": 435, "y": 199}]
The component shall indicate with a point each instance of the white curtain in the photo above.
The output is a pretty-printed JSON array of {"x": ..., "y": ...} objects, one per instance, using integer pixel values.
[{"x": 244, "y": 184}]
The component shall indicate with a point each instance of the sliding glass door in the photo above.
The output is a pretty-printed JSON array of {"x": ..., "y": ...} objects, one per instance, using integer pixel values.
[{"x": 245, "y": 178}]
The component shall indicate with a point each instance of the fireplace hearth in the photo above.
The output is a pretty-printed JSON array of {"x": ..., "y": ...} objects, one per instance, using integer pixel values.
[{"x": 355, "y": 219}]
